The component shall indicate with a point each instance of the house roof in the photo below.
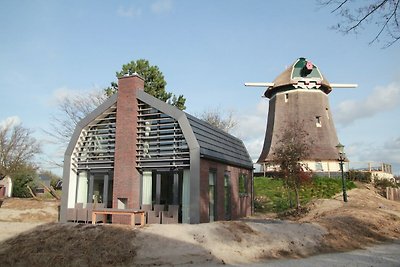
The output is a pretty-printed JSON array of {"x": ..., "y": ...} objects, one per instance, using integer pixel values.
[
  {"x": 212, "y": 142},
  {"x": 219, "y": 145}
]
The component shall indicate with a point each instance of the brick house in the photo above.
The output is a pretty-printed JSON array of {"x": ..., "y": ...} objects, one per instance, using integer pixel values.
[{"x": 136, "y": 150}]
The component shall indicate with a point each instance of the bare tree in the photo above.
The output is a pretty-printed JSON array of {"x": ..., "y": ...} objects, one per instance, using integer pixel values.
[
  {"x": 384, "y": 14},
  {"x": 73, "y": 108},
  {"x": 223, "y": 120},
  {"x": 17, "y": 148},
  {"x": 293, "y": 146},
  {"x": 70, "y": 110}
]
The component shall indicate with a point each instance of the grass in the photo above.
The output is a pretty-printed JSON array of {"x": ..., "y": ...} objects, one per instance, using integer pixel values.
[{"x": 272, "y": 196}]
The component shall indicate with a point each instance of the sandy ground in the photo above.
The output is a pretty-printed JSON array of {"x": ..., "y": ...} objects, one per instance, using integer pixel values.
[{"x": 28, "y": 236}]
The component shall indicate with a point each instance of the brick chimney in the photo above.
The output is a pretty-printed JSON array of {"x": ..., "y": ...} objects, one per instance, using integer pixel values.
[{"x": 126, "y": 189}]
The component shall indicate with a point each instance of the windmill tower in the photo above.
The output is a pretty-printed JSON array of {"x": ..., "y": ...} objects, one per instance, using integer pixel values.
[{"x": 300, "y": 95}]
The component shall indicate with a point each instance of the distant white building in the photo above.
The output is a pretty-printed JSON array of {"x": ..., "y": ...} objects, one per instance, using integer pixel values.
[
  {"x": 5, "y": 187},
  {"x": 378, "y": 170}
]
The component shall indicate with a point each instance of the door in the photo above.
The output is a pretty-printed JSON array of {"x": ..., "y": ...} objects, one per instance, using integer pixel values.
[{"x": 100, "y": 189}]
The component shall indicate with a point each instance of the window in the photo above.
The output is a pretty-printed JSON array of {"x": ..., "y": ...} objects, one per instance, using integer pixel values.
[
  {"x": 122, "y": 203},
  {"x": 242, "y": 184},
  {"x": 318, "y": 121},
  {"x": 319, "y": 167},
  {"x": 227, "y": 195},
  {"x": 212, "y": 178}
]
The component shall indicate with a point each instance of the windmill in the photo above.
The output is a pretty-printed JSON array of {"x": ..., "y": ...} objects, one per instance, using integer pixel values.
[{"x": 300, "y": 95}]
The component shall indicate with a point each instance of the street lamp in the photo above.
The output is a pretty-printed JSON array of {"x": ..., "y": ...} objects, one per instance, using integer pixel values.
[{"x": 342, "y": 158}]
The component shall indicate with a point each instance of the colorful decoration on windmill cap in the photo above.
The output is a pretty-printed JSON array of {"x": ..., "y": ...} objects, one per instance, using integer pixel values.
[
  {"x": 304, "y": 68},
  {"x": 309, "y": 65}
]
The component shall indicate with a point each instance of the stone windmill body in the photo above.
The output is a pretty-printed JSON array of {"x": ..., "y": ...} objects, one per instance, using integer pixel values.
[{"x": 300, "y": 95}]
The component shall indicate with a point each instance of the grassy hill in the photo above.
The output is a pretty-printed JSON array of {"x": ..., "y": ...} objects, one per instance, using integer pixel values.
[{"x": 272, "y": 196}]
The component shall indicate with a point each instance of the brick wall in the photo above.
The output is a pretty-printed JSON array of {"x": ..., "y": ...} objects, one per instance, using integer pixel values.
[
  {"x": 240, "y": 205},
  {"x": 126, "y": 177}
]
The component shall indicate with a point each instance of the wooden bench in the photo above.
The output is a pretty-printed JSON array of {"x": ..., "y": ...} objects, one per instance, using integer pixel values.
[{"x": 130, "y": 212}]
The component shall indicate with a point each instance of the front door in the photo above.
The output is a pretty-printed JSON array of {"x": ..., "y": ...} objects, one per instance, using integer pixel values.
[{"x": 100, "y": 189}]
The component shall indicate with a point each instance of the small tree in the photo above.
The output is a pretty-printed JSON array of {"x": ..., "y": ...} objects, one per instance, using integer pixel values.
[
  {"x": 154, "y": 82},
  {"x": 293, "y": 146},
  {"x": 17, "y": 148},
  {"x": 25, "y": 175},
  {"x": 221, "y": 120}
]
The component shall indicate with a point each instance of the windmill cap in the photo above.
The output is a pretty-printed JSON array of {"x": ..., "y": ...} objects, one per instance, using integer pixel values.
[{"x": 301, "y": 73}]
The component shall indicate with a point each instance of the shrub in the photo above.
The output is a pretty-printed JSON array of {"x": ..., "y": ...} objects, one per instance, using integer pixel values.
[
  {"x": 364, "y": 177},
  {"x": 23, "y": 177},
  {"x": 260, "y": 203},
  {"x": 383, "y": 183}
]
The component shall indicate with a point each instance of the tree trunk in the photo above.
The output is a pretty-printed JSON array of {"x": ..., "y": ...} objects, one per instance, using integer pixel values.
[
  {"x": 296, "y": 190},
  {"x": 51, "y": 191},
  {"x": 289, "y": 196},
  {"x": 32, "y": 194}
]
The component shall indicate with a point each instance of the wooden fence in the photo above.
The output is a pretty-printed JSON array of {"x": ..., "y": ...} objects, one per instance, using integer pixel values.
[{"x": 393, "y": 193}]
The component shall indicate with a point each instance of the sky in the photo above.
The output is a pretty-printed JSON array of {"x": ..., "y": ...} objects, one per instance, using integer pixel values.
[{"x": 206, "y": 50}]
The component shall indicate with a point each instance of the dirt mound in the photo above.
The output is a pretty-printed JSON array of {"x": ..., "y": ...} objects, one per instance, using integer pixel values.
[
  {"x": 70, "y": 245},
  {"x": 27, "y": 203},
  {"x": 234, "y": 242},
  {"x": 29, "y": 210},
  {"x": 366, "y": 218}
]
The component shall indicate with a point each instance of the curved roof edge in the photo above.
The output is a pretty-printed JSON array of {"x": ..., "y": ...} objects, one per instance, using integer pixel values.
[
  {"x": 88, "y": 119},
  {"x": 175, "y": 113}
]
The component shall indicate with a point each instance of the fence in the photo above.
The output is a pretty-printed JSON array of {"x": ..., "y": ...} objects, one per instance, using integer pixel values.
[
  {"x": 371, "y": 166},
  {"x": 393, "y": 193}
]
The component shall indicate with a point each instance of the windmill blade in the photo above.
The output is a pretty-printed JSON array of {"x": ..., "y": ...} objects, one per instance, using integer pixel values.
[
  {"x": 344, "y": 85},
  {"x": 259, "y": 84}
]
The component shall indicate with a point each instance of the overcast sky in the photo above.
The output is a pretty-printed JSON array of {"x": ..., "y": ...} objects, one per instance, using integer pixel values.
[{"x": 206, "y": 50}]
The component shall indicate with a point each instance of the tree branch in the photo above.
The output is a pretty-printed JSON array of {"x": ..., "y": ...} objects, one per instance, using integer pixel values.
[
  {"x": 367, "y": 15},
  {"x": 385, "y": 24},
  {"x": 338, "y": 7}
]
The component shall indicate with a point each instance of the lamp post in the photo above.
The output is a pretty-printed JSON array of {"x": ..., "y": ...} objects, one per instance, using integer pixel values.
[{"x": 342, "y": 158}]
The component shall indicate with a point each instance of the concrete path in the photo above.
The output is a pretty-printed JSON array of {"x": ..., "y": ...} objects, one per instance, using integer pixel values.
[{"x": 387, "y": 255}]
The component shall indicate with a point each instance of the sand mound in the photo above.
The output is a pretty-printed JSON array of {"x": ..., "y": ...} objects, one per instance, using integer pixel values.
[
  {"x": 234, "y": 242},
  {"x": 366, "y": 218},
  {"x": 70, "y": 245}
]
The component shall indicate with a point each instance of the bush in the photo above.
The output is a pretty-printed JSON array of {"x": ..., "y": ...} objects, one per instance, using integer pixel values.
[
  {"x": 381, "y": 184},
  {"x": 260, "y": 203},
  {"x": 364, "y": 177},
  {"x": 23, "y": 177}
]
